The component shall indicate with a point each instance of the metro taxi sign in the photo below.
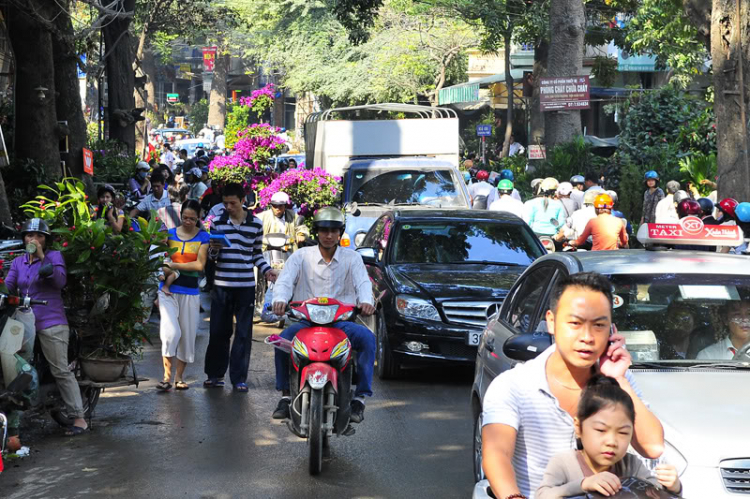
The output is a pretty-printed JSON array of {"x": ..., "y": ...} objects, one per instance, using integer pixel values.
[{"x": 691, "y": 231}]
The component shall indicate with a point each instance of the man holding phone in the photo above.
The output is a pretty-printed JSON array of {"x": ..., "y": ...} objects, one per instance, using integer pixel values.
[{"x": 528, "y": 411}]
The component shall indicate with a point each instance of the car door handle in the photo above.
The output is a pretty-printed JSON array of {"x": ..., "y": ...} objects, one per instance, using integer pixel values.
[{"x": 489, "y": 342}]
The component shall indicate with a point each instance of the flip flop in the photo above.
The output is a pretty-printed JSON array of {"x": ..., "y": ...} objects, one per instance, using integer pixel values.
[
  {"x": 240, "y": 387},
  {"x": 180, "y": 385},
  {"x": 213, "y": 383},
  {"x": 75, "y": 431},
  {"x": 164, "y": 386}
]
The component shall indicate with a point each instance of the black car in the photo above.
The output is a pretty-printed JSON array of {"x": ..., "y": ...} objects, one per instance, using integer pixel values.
[{"x": 438, "y": 275}]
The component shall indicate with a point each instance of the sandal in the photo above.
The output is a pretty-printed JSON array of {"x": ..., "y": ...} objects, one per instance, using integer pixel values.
[
  {"x": 180, "y": 385},
  {"x": 164, "y": 386},
  {"x": 213, "y": 383},
  {"x": 240, "y": 387},
  {"x": 75, "y": 431}
]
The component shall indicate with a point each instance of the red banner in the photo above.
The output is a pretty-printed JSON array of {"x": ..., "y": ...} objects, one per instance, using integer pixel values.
[
  {"x": 691, "y": 230},
  {"x": 209, "y": 57},
  {"x": 88, "y": 162}
]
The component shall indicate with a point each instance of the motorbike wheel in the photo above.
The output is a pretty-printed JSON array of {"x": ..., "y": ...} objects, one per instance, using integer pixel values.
[
  {"x": 387, "y": 366},
  {"x": 89, "y": 398},
  {"x": 260, "y": 296},
  {"x": 316, "y": 437}
]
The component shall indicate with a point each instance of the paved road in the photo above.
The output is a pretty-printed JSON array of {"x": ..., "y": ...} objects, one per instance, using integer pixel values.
[{"x": 415, "y": 442}]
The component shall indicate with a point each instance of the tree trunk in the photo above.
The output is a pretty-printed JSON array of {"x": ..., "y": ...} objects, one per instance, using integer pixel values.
[
  {"x": 509, "y": 86},
  {"x": 36, "y": 135},
  {"x": 218, "y": 98},
  {"x": 68, "y": 101},
  {"x": 567, "y": 28},
  {"x": 4, "y": 204},
  {"x": 120, "y": 78},
  {"x": 537, "y": 116},
  {"x": 730, "y": 101}
]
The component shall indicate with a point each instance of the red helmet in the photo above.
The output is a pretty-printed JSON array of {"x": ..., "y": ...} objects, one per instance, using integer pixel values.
[
  {"x": 688, "y": 207},
  {"x": 482, "y": 175},
  {"x": 727, "y": 206}
]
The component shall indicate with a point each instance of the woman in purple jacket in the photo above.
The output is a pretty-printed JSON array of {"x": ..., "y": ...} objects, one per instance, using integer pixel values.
[{"x": 41, "y": 275}]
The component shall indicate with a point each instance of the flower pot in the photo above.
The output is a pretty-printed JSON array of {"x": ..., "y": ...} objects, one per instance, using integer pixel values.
[{"x": 103, "y": 370}]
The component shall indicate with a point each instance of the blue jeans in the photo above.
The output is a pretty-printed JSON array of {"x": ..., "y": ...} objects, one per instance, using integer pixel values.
[
  {"x": 226, "y": 304},
  {"x": 363, "y": 341}
]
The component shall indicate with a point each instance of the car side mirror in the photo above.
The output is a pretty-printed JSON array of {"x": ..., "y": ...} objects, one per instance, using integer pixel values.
[
  {"x": 526, "y": 346},
  {"x": 368, "y": 255}
]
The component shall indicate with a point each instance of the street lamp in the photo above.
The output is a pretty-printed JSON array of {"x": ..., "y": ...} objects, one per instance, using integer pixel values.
[{"x": 40, "y": 93}]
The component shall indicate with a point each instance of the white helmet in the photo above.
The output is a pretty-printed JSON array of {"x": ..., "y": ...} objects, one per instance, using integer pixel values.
[
  {"x": 142, "y": 165},
  {"x": 564, "y": 189},
  {"x": 280, "y": 198}
]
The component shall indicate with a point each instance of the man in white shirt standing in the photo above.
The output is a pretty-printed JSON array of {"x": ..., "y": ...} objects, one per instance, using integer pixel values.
[
  {"x": 168, "y": 158},
  {"x": 159, "y": 198},
  {"x": 666, "y": 209},
  {"x": 334, "y": 272},
  {"x": 515, "y": 147}
]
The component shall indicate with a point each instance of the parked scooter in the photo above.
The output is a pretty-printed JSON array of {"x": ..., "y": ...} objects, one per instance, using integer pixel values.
[
  {"x": 278, "y": 249},
  {"x": 322, "y": 375},
  {"x": 11, "y": 399}
]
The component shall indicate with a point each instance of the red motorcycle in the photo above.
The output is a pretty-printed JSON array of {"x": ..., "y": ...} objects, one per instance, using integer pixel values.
[{"x": 322, "y": 374}]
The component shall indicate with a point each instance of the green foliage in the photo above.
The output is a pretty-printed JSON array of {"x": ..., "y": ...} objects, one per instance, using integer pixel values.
[
  {"x": 22, "y": 178},
  {"x": 112, "y": 162},
  {"x": 238, "y": 118},
  {"x": 604, "y": 70},
  {"x": 697, "y": 168},
  {"x": 107, "y": 272},
  {"x": 198, "y": 116}
]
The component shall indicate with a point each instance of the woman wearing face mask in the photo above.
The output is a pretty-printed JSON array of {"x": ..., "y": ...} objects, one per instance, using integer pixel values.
[
  {"x": 139, "y": 185},
  {"x": 106, "y": 209},
  {"x": 40, "y": 274}
]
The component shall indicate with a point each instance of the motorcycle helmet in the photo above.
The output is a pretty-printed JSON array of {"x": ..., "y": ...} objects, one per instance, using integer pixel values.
[
  {"x": 280, "y": 198},
  {"x": 564, "y": 189},
  {"x": 105, "y": 188},
  {"x": 651, "y": 175},
  {"x": 467, "y": 177},
  {"x": 577, "y": 180},
  {"x": 603, "y": 202},
  {"x": 681, "y": 196},
  {"x": 589, "y": 197},
  {"x": 613, "y": 195},
  {"x": 35, "y": 225},
  {"x": 549, "y": 186},
  {"x": 142, "y": 166},
  {"x": 743, "y": 212},
  {"x": 535, "y": 185},
  {"x": 482, "y": 175},
  {"x": 507, "y": 175},
  {"x": 706, "y": 205},
  {"x": 728, "y": 206},
  {"x": 505, "y": 186},
  {"x": 688, "y": 207},
  {"x": 328, "y": 216}
]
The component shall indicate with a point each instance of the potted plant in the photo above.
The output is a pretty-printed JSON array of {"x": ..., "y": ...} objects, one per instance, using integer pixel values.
[{"x": 108, "y": 274}]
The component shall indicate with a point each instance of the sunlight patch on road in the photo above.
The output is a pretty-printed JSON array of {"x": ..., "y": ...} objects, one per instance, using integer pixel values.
[
  {"x": 440, "y": 415},
  {"x": 112, "y": 394}
]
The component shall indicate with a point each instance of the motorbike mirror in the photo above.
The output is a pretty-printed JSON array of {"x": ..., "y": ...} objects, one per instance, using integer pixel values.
[
  {"x": 368, "y": 255},
  {"x": 526, "y": 346}
]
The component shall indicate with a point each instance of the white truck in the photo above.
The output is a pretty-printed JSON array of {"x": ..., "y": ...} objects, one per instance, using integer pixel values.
[{"x": 388, "y": 163}]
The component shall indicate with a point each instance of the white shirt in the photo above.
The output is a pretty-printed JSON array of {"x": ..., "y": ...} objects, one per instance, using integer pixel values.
[
  {"x": 168, "y": 158},
  {"x": 196, "y": 190},
  {"x": 481, "y": 189},
  {"x": 576, "y": 223},
  {"x": 577, "y": 196},
  {"x": 307, "y": 275},
  {"x": 722, "y": 350},
  {"x": 508, "y": 204},
  {"x": 521, "y": 398},
  {"x": 151, "y": 203},
  {"x": 495, "y": 195},
  {"x": 666, "y": 212},
  {"x": 515, "y": 148}
]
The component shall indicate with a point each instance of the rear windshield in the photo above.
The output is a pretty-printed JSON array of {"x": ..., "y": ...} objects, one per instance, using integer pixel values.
[
  {"x": 435, "y": 188},
  {"x": 465, "y": 242}
]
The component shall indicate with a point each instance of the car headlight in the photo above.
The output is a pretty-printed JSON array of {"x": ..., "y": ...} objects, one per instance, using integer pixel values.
[
  {"x": 410, "y": 306},
  {"x": 359, "y": 238},
  {"x": 322, "y": 314},
  {"x": 670, "y": 456}
]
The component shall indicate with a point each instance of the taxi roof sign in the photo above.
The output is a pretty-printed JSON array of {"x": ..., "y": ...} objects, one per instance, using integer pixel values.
[{"x": 692, "y": 231}]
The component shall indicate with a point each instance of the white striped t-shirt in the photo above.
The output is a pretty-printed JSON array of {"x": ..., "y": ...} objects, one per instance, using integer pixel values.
[
  {"x": 521, "y": 398},
  {"x": 235, "y": 267}
]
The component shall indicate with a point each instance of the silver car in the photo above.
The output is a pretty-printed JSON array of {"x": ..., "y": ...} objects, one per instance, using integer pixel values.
[{"x": 686, "y": 320}]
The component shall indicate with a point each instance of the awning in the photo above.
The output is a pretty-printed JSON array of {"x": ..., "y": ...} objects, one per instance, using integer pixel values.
[{"x": 469, "y": 91}]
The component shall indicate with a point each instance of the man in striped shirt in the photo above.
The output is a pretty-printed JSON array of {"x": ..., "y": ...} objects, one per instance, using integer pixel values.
[
  {"x": 233, "y": 294},
  {"x": 528, "y": 411}
]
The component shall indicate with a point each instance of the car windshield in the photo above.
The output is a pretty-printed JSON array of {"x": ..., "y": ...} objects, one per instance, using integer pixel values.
[
  {"x": 682, "y": 318},
  {"x": 437, "y": 188},
  {"x": 465, "y": 242}
]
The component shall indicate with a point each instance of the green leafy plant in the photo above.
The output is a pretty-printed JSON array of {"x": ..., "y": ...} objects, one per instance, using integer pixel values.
[
  {"x": 238, "y": 118},
  {"x": 112, "y": 162},
  {"x": 699, "y": 167},
  {"x": 107, "y": 273},
  {"x": 198, "y": 116},
  {"x": 604, "y": 70}
]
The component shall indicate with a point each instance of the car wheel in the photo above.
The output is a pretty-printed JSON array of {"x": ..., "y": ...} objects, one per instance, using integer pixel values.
[
  {"x": 478, "y": 471},
  {"x": 387, "y": 367}
]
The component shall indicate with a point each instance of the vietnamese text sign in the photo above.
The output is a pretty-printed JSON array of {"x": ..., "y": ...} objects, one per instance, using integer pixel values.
[
  {"x": 209, "y": 58},
  {"x": 537, "y": 152},
  {"x": 690, "y": 230},
  {"x": 88, "y": 161},
  {"x": 484, "y": 130},
  {"x": 559, "y": 94}
]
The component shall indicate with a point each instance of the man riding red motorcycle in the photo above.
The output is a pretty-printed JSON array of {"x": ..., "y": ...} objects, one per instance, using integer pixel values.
[{"x": 326, "y": 270}]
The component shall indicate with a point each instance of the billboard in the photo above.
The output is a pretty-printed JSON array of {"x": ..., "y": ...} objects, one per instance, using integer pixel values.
[{"x": 566, "y": 93}]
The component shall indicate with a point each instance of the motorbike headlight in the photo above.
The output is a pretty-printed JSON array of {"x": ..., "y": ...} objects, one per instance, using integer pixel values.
[
  {"x": 410, "y": 306},
  {"x": 671, "y": 456},
  {"x": 322, "y": 314}
]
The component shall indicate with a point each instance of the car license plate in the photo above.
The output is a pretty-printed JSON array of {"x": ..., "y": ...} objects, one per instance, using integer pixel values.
[{"x": 473, "y": 338}]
